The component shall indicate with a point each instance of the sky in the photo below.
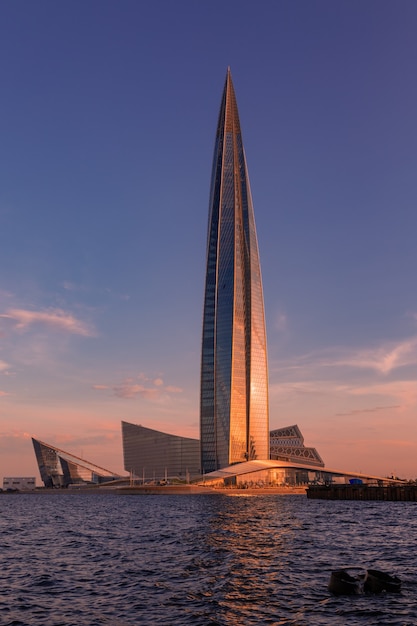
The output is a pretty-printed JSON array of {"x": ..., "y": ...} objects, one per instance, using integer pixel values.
[{"x": 107, "y": 122}]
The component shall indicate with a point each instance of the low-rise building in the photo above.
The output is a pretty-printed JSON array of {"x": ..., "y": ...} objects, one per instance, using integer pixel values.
[{"x": 19, "y": 483}]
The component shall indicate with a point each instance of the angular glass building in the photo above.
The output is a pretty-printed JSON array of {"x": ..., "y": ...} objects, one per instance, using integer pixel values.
[
  {"x": 61, "y": 469},
  {"x": 234, "y": 420},
  {"x": 152, "y": 455}
]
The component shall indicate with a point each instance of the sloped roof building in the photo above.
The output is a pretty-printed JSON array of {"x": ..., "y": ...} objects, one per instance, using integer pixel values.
[
  {"x": 61, "y": 469},
  {"x": 153, "y": 455}
]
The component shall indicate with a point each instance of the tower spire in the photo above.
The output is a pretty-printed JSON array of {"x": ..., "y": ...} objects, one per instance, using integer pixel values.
[{"x": 234, "y": 378}]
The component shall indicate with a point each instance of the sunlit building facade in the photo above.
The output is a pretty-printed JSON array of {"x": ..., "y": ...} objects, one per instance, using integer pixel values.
[
  {"x": 60, "y": 469},
  {"x": 151, "y": 455},
  {"x": 234, "y": 420},
  {"x": 287, "y": 444}
]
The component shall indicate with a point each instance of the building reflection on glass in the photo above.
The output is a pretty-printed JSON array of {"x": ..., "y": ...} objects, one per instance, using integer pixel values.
[{"x": 234, "y": 418}]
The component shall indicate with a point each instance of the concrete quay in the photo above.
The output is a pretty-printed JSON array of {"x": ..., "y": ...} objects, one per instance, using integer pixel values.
[{"x": 386, "y": 493}]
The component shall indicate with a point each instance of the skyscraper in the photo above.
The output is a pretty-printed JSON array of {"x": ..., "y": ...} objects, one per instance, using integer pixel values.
[{"x": 234, "y": 420}]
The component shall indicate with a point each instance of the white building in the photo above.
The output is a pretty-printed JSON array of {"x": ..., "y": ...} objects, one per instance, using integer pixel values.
[{"x": 19, "y": 483}]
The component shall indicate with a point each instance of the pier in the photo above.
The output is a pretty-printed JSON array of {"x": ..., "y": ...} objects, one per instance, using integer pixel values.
[{"x": 388, "y": 493}]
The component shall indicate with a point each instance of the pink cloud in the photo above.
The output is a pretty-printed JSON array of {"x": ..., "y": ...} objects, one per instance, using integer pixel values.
[
  {"x": 9, "y": 435},
  {"x": 370, "y": 410},
  {"x": 128, "y": 390},
  {"x": 383, "y": 359},
  {"x": 67, "y": 441},
  {"x": 3, "y": 393},
  {"x": 56, "y": 319},
  {"x": 403, "y": 391},
  {"x": 147, "y": 388}
]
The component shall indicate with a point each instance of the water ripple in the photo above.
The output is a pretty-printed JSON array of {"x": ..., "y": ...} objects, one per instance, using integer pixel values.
[{"x": 87, "y": 560}]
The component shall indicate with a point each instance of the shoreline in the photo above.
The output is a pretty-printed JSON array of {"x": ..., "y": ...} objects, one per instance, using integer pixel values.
[
  {"x": 201, "y": 490},
  {"x": 166, "y": 490}
]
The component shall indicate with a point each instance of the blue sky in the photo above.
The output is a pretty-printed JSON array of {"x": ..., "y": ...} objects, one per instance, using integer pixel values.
[{"x": 107, "y": 124}]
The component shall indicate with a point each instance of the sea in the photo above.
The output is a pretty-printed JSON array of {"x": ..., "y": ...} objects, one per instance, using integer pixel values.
[{"x": 78, "y": 559}]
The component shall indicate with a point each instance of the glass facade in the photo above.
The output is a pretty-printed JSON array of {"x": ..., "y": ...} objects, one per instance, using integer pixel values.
[
  {"x": 152, "y": 455},
  {"x": 234, "y": 419},
  {"x": 61, "y": 469}
]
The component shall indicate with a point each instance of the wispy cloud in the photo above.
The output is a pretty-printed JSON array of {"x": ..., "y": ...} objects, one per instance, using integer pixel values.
[
  {"x": 383, "y": 359},
  {"x": 69, "y": 286},
  {"x": 7, "y": 436},
  {"x": 129, "y": 390},
  {"x": 375, "y": 409},
  {"x": 3, "y": 393},
  {"x": 55, "y": 319},
  {"x": 93, "y": 439},
  {"x": 78, "y": 288},
  {"x": 398, "y": 393},
  {"x": 281, "y": 322},
  {"x": 142, "y": 386},
  {"x": 5, "y": 294},
  {"x": 348, "y": 382},
  {"x": 402, "y": 391}
]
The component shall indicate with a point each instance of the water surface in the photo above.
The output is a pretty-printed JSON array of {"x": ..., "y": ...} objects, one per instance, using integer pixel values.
[{"x": 96, "y": 560}]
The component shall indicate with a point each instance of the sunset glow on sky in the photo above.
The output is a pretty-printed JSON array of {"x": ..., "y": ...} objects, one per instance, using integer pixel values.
[{"x": 108, "y": 119}]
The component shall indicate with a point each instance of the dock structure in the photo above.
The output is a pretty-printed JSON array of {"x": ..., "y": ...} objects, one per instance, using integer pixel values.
[{"x": 387, "y": 493}]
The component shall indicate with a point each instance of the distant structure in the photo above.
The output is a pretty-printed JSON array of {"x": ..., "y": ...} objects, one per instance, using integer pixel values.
[
  {"x": 151, "y": 455},
  {"x": 62, "y": 469},
  {"x": 234, "y": 418},
  {"x": 287, "y": 444},
  {"x": 19, "y": 483}
]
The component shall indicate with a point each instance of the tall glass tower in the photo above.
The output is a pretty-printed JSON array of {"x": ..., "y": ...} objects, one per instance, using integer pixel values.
[{"x": 234, "y": 416}]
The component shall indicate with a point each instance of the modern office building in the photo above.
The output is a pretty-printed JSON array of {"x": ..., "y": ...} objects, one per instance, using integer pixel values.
[
  {"x": 61, "y": 469},
  {"x": 287, "y": 444},
  {"x": 234, "y": 421},
  {"x": 151, "y": 455}
]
